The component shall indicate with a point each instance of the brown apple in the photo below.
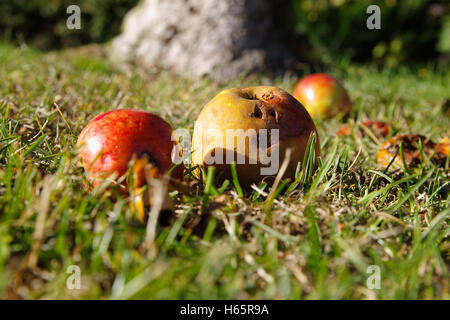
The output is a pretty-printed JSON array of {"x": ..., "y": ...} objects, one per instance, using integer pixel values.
[
  {"x": 411, "y": 150},
  {"x": 248, "y": 126}
]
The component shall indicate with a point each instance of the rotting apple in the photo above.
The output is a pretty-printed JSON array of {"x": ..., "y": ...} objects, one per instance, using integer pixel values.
[
  {"x": 112, "y": 140},
  {"x": 322, "y": 95},
  {"x": 238, "y": 121},
  {"x": 411, "y": 151}
]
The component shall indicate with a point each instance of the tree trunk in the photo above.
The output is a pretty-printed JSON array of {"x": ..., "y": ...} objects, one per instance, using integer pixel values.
[{"x": 220, "y": 38}]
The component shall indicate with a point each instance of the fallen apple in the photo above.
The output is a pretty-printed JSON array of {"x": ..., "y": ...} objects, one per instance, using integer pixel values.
[
  {"x": 114, "y": 139},
  {"x": 253, "y": 127},
  {"x": 322, "y": 95},
  {"x": 110, "y": 141}
]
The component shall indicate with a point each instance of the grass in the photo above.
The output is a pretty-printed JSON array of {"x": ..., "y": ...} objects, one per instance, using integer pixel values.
[{"x": 312, "y": 238}]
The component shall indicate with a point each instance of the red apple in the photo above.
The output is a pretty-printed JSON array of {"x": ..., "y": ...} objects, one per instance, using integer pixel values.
[
  {"x": 110, "y": 141},
  {"x": 322, "y": 95}
]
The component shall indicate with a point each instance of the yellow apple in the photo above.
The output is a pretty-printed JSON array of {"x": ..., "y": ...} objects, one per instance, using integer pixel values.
[{"x": 252, "y": 127}]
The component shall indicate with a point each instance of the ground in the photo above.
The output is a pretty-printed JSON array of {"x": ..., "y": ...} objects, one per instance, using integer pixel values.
[{"x": 315, "y": 239}]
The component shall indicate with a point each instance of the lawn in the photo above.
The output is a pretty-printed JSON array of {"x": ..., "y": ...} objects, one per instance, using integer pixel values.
[{"x": 315, "y": 239}]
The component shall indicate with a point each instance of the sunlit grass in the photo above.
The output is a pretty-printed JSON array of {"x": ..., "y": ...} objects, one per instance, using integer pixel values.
[{"x": 325, "y": 228}]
